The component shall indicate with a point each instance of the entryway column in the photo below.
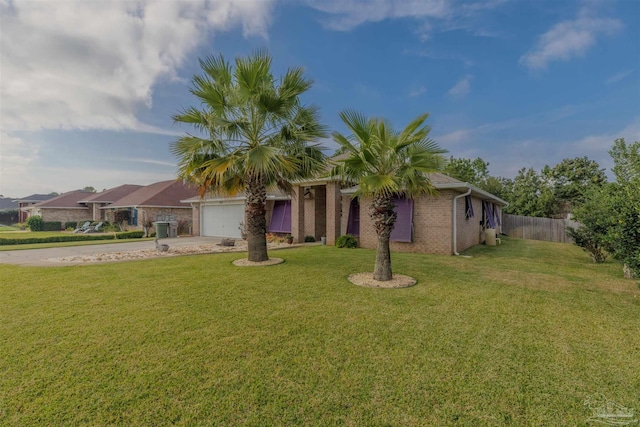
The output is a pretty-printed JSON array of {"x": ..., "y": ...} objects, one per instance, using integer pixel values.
[
  {"x": 334, "y": 209},
  {"x": 297, "y": 214}
]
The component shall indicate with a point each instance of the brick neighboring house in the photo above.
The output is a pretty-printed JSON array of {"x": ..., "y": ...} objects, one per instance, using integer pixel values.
[
  {"x": 31, "y": 200},
  {"x": 64, "y": 208},
  {"x": 326, "y": 207},
  {"x": 105, "y": 198},
  {"x": 161, "y": 201}
]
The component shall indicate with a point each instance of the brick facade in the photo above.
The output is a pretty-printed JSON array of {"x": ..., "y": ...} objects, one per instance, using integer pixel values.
[
  {"x": 432, "y": 225},
  {"x": 62, "y": 215}
]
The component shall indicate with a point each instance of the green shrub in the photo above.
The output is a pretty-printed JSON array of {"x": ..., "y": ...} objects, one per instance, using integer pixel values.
[
  {"x": 347, "y": 241},
  {"x": 309, "y": 239},
  {"x": 51, "y": 226},
  {"x": 70, "y": 225},
  {"x": 130, "y": 235},
  {"x": 69, "y": 238},
  {"x": 35, "y": 223}
]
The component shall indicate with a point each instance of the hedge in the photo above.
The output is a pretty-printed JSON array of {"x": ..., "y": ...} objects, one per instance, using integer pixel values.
[
  {"x": 70, "y": 224},
  {"x": 70, "y": 238},
  {"x": 130, "y": 235},
  {"x": 51, "y": 226}
]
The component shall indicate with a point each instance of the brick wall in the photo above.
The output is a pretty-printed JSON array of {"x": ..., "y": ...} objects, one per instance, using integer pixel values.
[
  {"x": 432, "y": 227},
  {"x": 64, "y": 215}
]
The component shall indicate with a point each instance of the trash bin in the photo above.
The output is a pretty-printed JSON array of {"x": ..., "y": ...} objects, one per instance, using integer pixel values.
[
  {"x": 173, "y": 229},
  {"x": 490, "y": 236},
  {"x": 162, "y": 229}
]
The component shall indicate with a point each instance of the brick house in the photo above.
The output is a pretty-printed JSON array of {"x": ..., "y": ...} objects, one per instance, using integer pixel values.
[
  {"x": 106, "y": 198},
  {"x": 64, "y": 208},
  {"x": 31, "y": 200},
  {"x": 326, "y": 207},
  {"x": 161, "y": 201}
]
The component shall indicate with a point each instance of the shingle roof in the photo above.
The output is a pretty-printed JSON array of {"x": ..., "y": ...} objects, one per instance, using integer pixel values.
[
  {"x": 113, "y": 194},
  {"x": 35, "y": 198},
  {"x": 440, "y": 178},
  {"x": 164, "y": 194},
  {"x": 8, "y": 203},
  {"x": 65, "y": 200}
]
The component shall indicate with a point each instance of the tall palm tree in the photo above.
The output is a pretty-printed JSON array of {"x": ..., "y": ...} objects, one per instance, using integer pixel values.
[
  {"x": 387, "y": 164},
  {"x": 254, "y": 134}
]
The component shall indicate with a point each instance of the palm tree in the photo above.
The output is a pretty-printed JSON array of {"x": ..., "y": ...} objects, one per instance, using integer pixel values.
[
  {"x": 254, "y": 134},
  {"x": 386, "y": 164}
]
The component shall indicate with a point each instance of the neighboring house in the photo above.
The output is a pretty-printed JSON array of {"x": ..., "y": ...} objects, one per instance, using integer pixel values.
[
  {"x": 161, "y": 201},
  {"x": 64, "y": 208},
  {"x": 30, "y": 201},
  {"x": 105, "y": 198},
  {"x": 324, "y": 207}
]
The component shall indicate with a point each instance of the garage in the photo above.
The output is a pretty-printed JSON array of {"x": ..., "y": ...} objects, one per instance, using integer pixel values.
[{"x": 222, "y": 220}]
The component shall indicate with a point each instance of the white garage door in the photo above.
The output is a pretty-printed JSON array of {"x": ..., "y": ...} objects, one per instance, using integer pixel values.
[{"x": 222, "y": 220}]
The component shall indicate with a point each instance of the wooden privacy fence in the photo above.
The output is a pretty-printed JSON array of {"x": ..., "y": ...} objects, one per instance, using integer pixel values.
[{"x": 534, "y": 228}]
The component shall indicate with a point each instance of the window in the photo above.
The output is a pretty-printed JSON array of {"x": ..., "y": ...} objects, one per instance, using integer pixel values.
[
  {"x": 403, "y": 229},
  {"x": 281, "y": 217},
  {"x": 468, "y": 207}
]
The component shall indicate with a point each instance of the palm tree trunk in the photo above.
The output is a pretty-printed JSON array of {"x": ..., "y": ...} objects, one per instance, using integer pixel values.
[
  {"x": 255, "y": 215},
  {"x": 384, "y": 218}
]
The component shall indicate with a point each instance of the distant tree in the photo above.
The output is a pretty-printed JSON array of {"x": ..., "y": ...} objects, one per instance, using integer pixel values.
[
  {"x": 569, "y": 180},
  {"x": 53, "y": 193},
  {"x": 387, "y": 164},
  {"x": 474, "y": 171},
  {"x": 530, "y": 195},
  {"x": 89, "y": 189},
  {"x": 499, "y": 186}
]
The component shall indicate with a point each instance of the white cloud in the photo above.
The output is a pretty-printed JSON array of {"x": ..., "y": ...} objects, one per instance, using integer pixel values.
[
  {"x": 346, "y": 15},
  {"x": 417, "y": 90},
  {"x": 16, "y": 158},
  {"x": 454, "y": 138},
  {"x": 569, "y": 39},
  {"x": 462, "y": 88},
  {"x": 92, "y": 65},
  {"x": 618, "y": 77}
]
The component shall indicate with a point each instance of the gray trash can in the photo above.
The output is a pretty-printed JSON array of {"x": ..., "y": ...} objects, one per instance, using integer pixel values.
[{"x": 162, "y": 229}]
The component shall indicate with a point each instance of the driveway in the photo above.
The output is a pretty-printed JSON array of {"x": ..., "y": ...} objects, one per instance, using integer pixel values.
[{"x": 39, "y": 257}]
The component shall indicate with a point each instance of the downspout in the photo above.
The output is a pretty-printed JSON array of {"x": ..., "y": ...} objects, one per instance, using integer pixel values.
[{"x": 455, "y": 218}]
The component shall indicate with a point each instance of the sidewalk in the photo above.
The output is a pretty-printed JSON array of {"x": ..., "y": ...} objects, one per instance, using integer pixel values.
[{"x": 39, "y": 257}]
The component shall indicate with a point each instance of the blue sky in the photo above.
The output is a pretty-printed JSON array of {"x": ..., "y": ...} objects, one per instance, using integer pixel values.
[{"x": 88, "y": 88}]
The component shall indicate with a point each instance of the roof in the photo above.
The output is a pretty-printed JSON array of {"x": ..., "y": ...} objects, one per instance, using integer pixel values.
[
  {"x": 35, "y": 198},
  {"x": 444, "y": 182},
  {"x": 8, "y": 203},
  {"x": 69, "y": 200},
  {"x": 113, "y": 194},
  {"x": 161, "y": 194}
]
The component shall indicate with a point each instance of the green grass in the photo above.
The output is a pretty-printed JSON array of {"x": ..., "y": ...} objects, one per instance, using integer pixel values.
[
  {"x": 520, "y": 334},
  {"x": 7, "y": 228}
]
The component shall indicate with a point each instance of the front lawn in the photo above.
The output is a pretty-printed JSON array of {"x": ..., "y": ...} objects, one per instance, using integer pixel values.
[{"x": 520, "y": 334}]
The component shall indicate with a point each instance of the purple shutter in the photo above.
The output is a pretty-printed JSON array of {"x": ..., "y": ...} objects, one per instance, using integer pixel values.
[
  {"x": 402, "y": 231},
  {"x": 353, "y": 225},
  {"x": 281, "y": 217},
  {"x": 488, "y": 214},
  {"x": 496, "y": 214},
  {"x": 468, "y": 208}
]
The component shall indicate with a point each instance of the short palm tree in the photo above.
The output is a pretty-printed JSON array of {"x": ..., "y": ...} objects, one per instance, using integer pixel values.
[
  {"x": 254, "y": 134},
  {"x": 386, "y": 164}
]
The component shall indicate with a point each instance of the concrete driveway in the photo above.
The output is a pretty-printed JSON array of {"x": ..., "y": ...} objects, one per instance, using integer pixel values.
[{"x": 39, "y": 257}]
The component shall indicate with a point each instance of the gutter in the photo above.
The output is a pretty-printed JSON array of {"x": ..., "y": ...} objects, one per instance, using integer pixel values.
[{"x": 455, "y": 220}]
